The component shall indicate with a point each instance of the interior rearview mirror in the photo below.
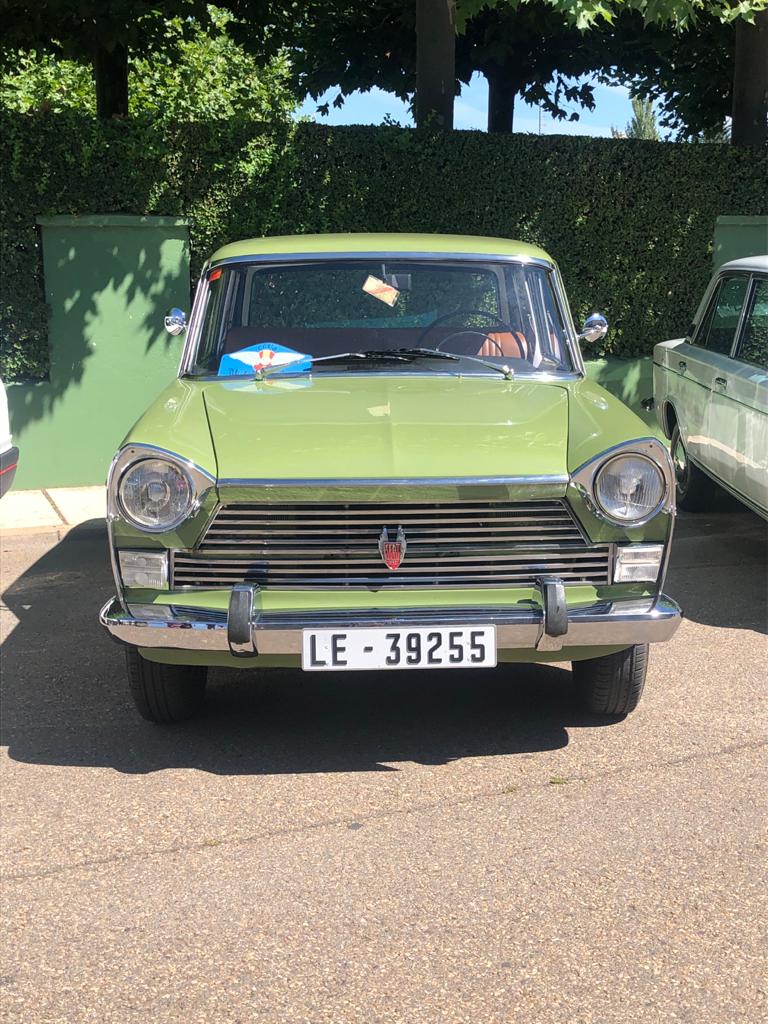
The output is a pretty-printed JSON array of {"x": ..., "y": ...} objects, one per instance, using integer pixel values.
[
  {"x": 176, "y": 321},
  {"x": 595, "y": 327}
]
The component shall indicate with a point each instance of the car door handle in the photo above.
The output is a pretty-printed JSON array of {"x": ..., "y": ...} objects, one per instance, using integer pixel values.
[
  {"x": 720, "y": 382},
  {"x": 682, "y": 366}
]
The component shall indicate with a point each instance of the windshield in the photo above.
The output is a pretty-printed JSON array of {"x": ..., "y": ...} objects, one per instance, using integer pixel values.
[{"x": 283, "y": 316}]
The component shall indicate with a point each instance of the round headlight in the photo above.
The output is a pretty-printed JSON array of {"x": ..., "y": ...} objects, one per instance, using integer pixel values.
[
  {"x": 630, "y": 488},
  {"x": 155, "y": 494}
]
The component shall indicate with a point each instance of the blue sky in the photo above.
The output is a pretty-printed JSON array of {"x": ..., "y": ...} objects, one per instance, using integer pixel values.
[{"x": 612, "y": 109}]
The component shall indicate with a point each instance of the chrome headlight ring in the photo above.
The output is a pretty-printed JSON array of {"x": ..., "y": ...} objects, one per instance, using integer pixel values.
[
  {"x": 196, "y": 481},
  {"x": 650, "y": 449}
]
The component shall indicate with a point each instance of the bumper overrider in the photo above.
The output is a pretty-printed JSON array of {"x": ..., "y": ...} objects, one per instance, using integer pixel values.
[{"x": 247, "y": 631}]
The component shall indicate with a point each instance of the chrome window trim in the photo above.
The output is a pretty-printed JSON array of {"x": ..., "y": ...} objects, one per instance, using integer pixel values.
[
  {"x": 287, "y": 258},
  {"x": 549, "y": 377},
  {"x": 377, "y": 254},
  {"x": 561, "y": 297},
  {"x": 202, "y": 481},
  {"x": 701, "y": 310},
  {"x": 710, "y": 298},
  {"x": 195, "y": 319},
  {"x": 739, "y": 340},
  {"x": 742, "y": 318}
]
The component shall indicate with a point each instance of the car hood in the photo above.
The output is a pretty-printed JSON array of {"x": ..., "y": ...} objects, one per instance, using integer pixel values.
[{"x": 387, "y": 425}]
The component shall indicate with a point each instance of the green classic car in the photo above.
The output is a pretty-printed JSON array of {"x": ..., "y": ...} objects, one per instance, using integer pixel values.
[{"x": 382, "y": 453}]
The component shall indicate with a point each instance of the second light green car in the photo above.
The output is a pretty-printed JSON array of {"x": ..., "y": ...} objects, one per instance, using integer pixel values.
[{"x": 382, "y": 453}]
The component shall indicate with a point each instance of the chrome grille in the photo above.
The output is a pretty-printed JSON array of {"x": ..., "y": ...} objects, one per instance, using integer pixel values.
[{"x": 454, "y": 544}]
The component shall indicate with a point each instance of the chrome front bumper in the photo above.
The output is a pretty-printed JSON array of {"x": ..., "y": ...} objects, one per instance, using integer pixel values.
[{"x": 245, "y": 632}]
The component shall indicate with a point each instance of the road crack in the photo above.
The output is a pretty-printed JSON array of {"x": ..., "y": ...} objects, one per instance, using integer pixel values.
[{"x": 360, "y": 820}]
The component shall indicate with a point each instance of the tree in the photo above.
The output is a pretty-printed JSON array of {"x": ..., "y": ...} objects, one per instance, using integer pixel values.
[
  {"x": 528, "y": 51},
  {"x": 749, "y": 113},
  {"x": 600, "y": 42},
  {"x": 435, "y": 62},
  {"x": 333, "y": 44},
  {"x": 679, "y": 53},
  {"x": 209, "y": 77},
  {"x": 687, "y": 74},
  {"x": 103, "y": 35},
  {"x": 643, "y": 123},
  {"x": 337, "y": 44}
]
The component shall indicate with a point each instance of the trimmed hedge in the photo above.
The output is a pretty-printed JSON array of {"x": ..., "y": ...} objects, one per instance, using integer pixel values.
[{"x": 630, "y": 222}]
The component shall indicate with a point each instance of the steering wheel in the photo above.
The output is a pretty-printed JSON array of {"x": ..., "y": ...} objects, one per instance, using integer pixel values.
[{"x": 466, "y": 330}]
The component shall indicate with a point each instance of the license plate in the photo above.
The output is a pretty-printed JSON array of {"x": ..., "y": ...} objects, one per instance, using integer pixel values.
[{"x": 335, "y": 650}]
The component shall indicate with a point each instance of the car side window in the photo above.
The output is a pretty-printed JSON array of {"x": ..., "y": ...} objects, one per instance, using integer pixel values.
[
  {"x": 754, "y": 342},
  {"x": 717, "y": 331}
]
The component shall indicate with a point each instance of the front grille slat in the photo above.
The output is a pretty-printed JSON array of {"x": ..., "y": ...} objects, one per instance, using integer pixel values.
[
  {"x": 249, "y": 541},
  {"x": 324, "y": 581},
  {"x": 450, "y": 544},
  {"x": 269, "y": 511},
  {"x": 361, "y": 526},
  {"x": 552, "y": 558},
  {"x": 535, "y": 560}
]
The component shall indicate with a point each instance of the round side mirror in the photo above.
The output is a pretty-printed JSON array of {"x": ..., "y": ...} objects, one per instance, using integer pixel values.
[
  {"x": 595, "y": 327},
  {"x": 176, "y": 321}
]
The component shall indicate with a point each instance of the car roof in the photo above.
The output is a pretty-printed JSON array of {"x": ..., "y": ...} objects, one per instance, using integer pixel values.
[
  {"x": 363, "y": 243},
  {"x": 757, "y": 263}
]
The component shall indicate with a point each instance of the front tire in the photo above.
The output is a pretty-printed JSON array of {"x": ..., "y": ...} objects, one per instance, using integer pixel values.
[
  {"x": 695, "y": 491},
  {"x": 612, "y": 684},
  {"x": 165, "y": 693}
]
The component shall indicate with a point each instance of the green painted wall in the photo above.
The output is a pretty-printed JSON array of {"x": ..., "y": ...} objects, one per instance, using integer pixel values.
[
  {"x": 108, "y": 282},
  {"x": 631, "y": 380},
  {"x": 736, "y": 237}
]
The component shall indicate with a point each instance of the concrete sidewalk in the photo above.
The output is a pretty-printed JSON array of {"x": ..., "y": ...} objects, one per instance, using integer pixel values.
[{"x": 54, "y": 511}]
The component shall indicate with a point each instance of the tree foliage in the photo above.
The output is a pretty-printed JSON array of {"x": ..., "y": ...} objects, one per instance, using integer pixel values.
[
  {"x": 676, "y": 49},
  {"x": 531, "y": 51},
  {"x": 642, "y": 124},
  {"x": 102, "y": 35},
  {"x": 688, "y": 74},
  {"x": 74, "y": 29},
  {"x": 209, "y": 76},
  {"x": 678, "y": 53}
]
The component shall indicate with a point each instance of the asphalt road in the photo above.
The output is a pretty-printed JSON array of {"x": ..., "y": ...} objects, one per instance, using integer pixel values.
[{"x": 387, "y": 848}]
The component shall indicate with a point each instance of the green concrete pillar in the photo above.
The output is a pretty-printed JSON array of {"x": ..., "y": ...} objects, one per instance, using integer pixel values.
[
  {"x": 108, "y": 282},
  {"x": 737, "y": 237}
]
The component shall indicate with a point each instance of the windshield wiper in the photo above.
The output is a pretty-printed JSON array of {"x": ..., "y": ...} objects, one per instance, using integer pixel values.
[
  {"x": 396, "y": 355},
  {"x": 382, "y": 355},
  {"x": 435, "y": 353}
]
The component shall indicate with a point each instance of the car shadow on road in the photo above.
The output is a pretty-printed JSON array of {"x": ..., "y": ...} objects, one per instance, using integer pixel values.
[
  {"x": 718, "y": 571},
  {"x": 65, "y": 699}
]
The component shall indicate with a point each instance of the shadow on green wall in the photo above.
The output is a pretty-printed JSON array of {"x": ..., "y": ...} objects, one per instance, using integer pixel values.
[
  {"x": 631, "y": 380},
  {"x": 108, "y": 282}
]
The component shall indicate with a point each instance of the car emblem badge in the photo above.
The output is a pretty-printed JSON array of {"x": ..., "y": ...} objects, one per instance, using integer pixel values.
[{"x": 392, "y": 551}]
